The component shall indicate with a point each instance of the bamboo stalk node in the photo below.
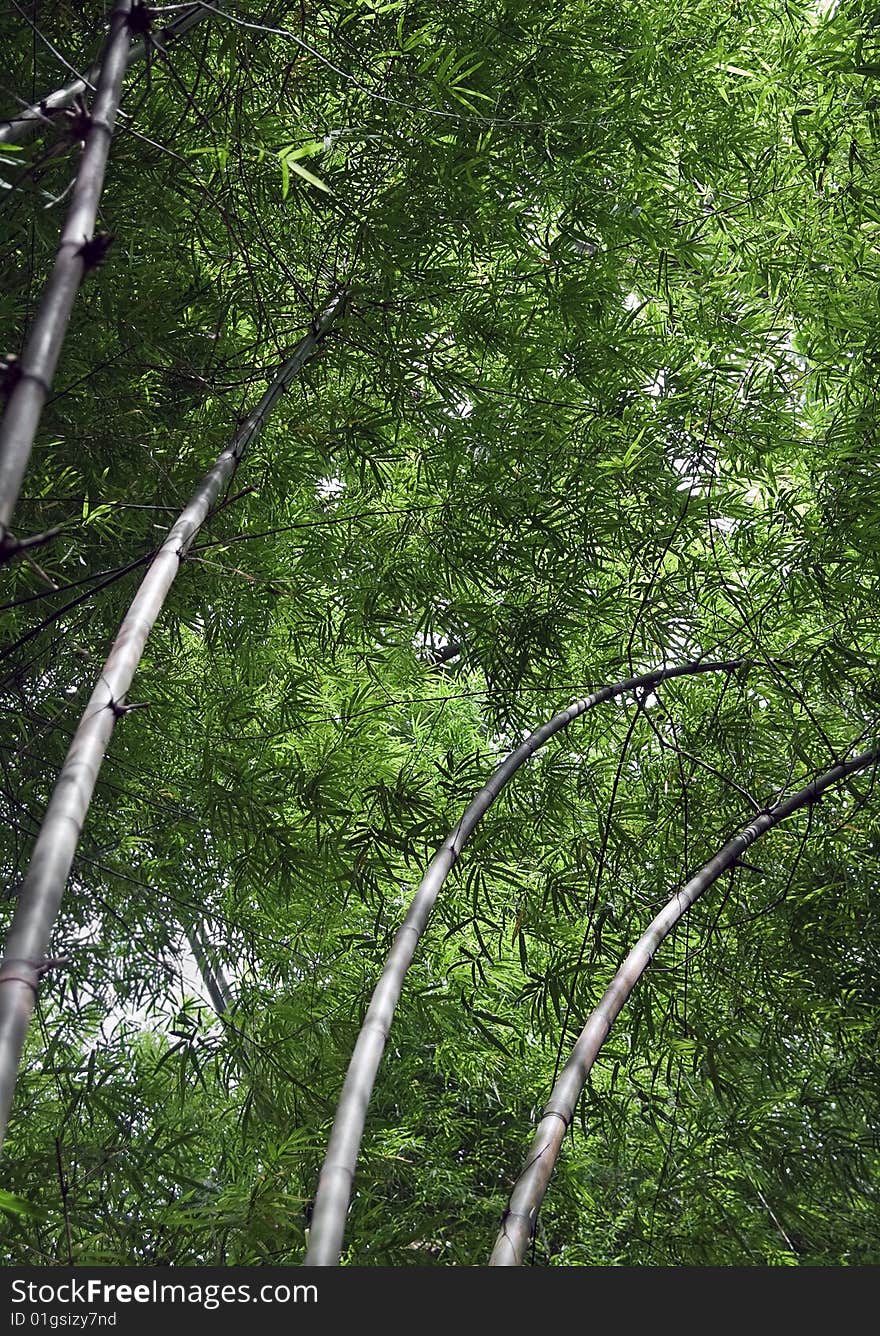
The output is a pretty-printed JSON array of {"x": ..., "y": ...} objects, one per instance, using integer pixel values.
[
  {"x": 15, "y": 970},
  {"x": 79, "y": 121},
  {"x": 141, "y": 19},
  {"x": 94, "y": 251}
]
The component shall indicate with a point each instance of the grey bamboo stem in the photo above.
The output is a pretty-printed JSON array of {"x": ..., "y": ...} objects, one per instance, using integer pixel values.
[
  {"x": 41, "y": 352},
  {"x": 519, "y": 1219},
  {"x": 39, "y": 898},
  {"x": 337, "y": 1175},
  {"x": 211, "y": 972},
  {"x": 27, "y": 122}
]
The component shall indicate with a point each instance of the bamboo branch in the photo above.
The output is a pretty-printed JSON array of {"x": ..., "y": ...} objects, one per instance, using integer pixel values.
[
  {"x": 40, "y": 896},
  {"x": 337, "y": 1175},
  {"x": 519, "y": 1219},
  {"x": 27, "y": 122},
  {"x": 79, "y": 249}
]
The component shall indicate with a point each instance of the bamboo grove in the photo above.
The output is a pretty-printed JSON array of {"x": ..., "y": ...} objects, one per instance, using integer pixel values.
[{"x": 378, "y": 380}]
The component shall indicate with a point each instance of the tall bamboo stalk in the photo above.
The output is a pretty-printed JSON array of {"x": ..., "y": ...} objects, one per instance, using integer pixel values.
[
  {"x": 39, "y": 898},
  {"x": 42, "y": 349},
  {"x": 519, "y": 1219},
  {"x": 337, "y": 1175},
  {"x": 18, "y": 128}
]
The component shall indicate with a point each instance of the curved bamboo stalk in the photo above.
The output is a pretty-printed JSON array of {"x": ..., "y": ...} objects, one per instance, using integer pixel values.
[
  {"x": 519, "y": 1219},
  {"x": 337, "y": 1174},
  {"x": 25, "y": 123},
  {"x": 43, "y": 347},
  {"x": 39, "y": 899}
]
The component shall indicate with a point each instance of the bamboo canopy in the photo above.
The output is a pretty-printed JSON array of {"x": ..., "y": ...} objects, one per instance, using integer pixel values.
[{"x": 606, "y": 400}]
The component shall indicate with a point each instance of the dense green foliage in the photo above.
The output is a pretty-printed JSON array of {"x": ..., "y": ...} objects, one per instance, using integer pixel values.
[{"x": 605, "y": 399}]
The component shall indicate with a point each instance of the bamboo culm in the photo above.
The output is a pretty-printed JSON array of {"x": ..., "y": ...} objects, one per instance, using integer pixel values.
[
  {"x": 39, "y": 898},
  {"x": 211, "y": 972},
  {"x": 43, "y": 347},
  {"x": 337, "y": 1174},
  {"x": 518, "y": 1222},
  {"x": 27, "y": 122}
]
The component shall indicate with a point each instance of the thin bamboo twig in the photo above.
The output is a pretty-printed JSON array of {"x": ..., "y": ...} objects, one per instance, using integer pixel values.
[
  {"x": 39, "y": 898},
  {"x": 337, "y": 1175},
  {"x": 75, "y": 255},
  {"x": 519, "y": 1219},
  {"x": 27, "y": 122}
]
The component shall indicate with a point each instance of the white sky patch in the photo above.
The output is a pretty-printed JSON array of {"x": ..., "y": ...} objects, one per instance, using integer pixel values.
[
  {"x": 696, "y": 473},
  {"x": 159, "y": 1014},
  {"x": 754, "y": 495},
  {"x": 460, "y": 406},
  {"x": 427, "y": 646},
  {"x": 328, "y": 489}
]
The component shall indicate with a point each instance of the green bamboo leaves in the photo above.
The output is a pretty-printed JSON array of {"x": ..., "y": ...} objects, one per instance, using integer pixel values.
[{"x": 290, "y": 160}]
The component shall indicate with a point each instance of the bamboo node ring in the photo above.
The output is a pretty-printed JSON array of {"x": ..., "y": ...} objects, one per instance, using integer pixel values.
[{"x": 9, "y": 972}]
